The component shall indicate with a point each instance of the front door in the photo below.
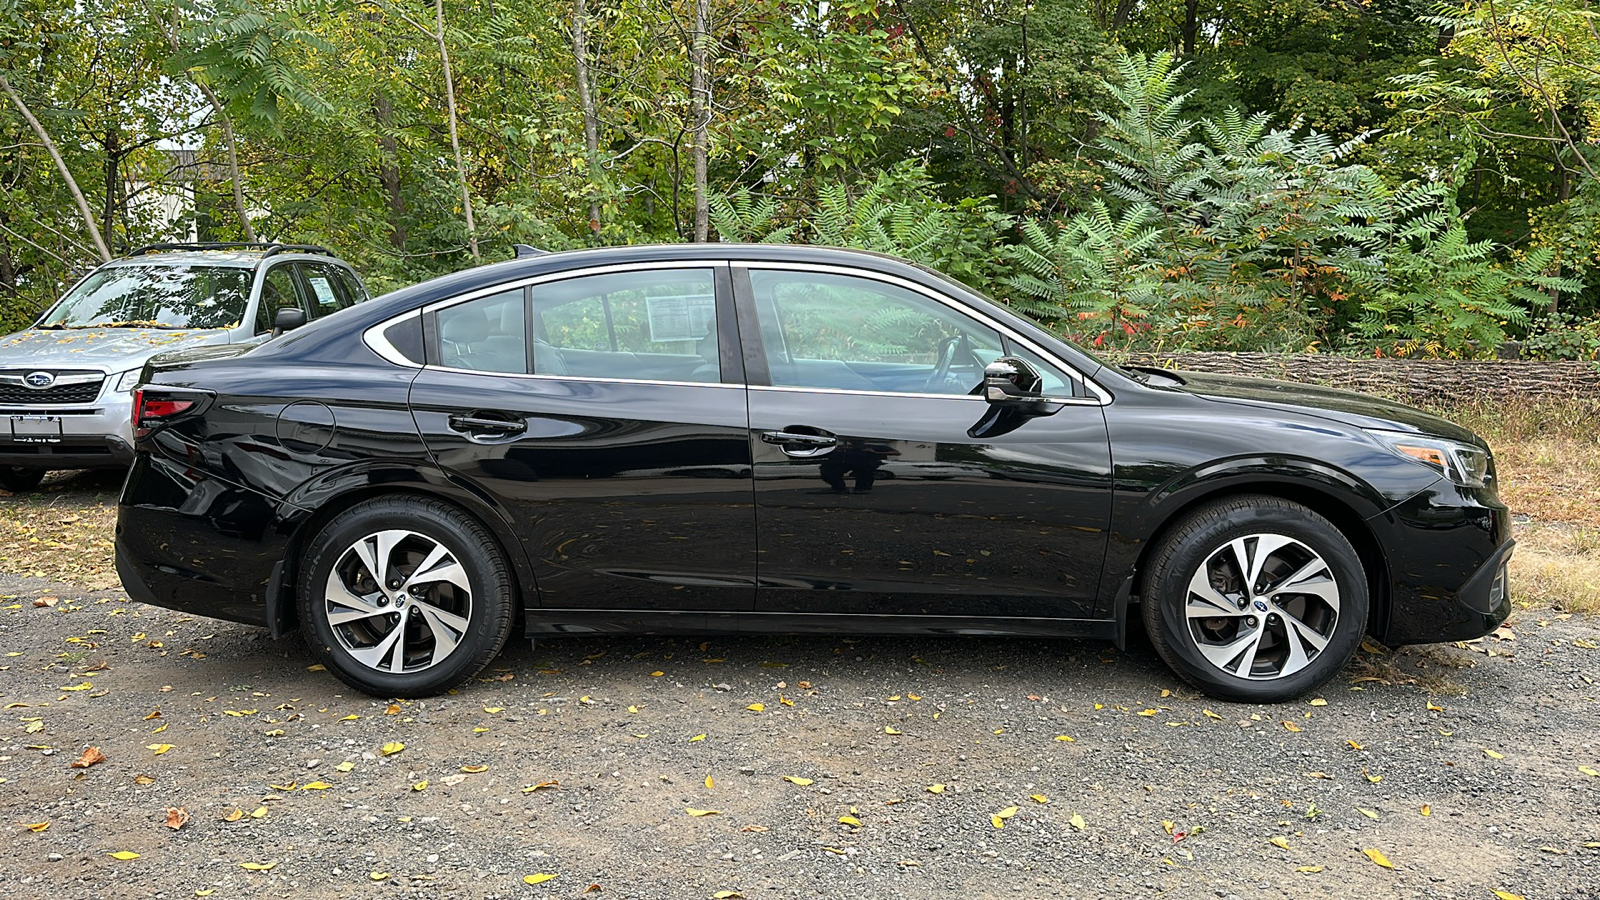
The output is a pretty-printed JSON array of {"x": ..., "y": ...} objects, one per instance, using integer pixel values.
[
  {"x": 606, "y": 410},
  {"x": 871, "y": 498}
]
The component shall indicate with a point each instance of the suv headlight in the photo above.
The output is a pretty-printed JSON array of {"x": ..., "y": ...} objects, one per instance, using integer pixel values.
[
  {"x": 1464, "y": 464},
  {"x": 127, "y": 380}
]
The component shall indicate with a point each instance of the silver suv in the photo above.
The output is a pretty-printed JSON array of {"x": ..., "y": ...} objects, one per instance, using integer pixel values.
[{"x": 66, "y": 383}]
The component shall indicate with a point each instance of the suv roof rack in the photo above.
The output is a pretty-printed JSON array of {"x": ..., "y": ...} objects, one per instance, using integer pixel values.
[{"x": 270, "y": 247}]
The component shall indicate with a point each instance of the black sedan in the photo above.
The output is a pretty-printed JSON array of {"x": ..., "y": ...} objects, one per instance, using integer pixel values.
[{"x": 726, "y": 438}]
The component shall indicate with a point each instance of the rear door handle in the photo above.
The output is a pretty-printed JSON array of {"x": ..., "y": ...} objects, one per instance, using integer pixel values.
[
  {"x": 800, "y": 444},
  {"x": 479, "y": 423}
]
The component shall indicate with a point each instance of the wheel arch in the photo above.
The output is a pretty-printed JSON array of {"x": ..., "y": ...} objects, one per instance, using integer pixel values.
[
  {"x": 1336, "y": 509},
  {"x": 305, "y": 524}
]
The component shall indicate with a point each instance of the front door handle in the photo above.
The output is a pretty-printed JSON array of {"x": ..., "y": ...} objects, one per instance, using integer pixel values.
[
  {"x": 479, "y": 423},
  {"x": 800, "y": 444}
]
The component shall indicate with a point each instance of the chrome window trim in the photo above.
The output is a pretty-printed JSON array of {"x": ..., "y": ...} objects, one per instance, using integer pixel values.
[
  {"x": 610, "y": 269},
  {"x": 585, "y": 378},
  {"x": 377, "y": 343},
  {"x": 1101, "y": 396}
]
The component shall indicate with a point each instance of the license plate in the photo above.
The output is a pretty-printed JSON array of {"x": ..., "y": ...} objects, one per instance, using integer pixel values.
[{"x": 36, "y": 429}]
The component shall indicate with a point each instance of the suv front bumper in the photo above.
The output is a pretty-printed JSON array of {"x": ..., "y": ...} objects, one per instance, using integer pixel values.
[{"x": 96, "y": 435}]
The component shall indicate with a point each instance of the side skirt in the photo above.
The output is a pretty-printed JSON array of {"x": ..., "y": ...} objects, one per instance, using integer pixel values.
[{"x": 634, "y": 621}]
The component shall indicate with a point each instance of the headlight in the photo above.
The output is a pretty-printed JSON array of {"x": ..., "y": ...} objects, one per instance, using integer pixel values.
[
  {"x": 127, "y": 380},
  {"x": 1464, "y": 464}
]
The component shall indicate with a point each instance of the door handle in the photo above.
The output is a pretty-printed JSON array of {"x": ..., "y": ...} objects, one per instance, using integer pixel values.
[
  {"x": 476, "y": 424},
  {"x": 800, "y": 444}
]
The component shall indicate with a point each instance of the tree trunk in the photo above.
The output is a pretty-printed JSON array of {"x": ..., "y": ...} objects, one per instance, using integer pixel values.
[
  {"x": 700, "y": 113},
  {"x": 113, "y": 162},
  {"x": 61, "y": 165},
  {"x": 455, "y": 138},
  {"x": 389, "y": 170},
  {"x": 591, "y": 118},
  {"x": 1191, "y": 26},
  {"x": 234, "y": 175}
]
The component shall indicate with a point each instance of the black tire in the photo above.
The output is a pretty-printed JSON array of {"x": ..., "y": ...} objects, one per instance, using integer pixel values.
[
  {"x": 487, "y": 603},
  {"x": 1175, "y": 602},
  {"x": 18, "y": 480}
]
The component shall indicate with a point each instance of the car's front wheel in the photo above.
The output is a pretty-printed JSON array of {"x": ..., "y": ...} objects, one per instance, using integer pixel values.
[
  {"x": 405, "y": 596},
  {"x": 1255, "y": 599},
  {"x": 18, "y": 479}
]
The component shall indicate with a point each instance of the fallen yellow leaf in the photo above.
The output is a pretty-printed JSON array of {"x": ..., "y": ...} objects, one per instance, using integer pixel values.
[
  {"x": 1280, "y": 842},
  {"x": 1367, "y": 812},
  {"x": 391, "y": 748},
  {"x": 1309, "y": 870},
  {"x": 757, "y": 707},
  {"x": 377, "y": 876},
  {"x": 1210, "y": 715},
  {"x": 258, "y": 867},
  {"x": 36, "y": 827},
  {"x": 935, "y": 788},
  {"x": 158, "y": 749},
  {"x": 1377, "y": 857},
  {"x": 316, "y": 786},
  {"x": 1290, "y": 726},
  {"x": 124, "y": 855},
  {"x": 258, "y": 812},
  {"x": 852, "y": 821},
  {"x": 1064, "y": 737},
  {"x": 491, "y": 710},
  {"x": 1319, "y": 702},
  {"x": 1493, "y": 755},
  {"x": 234, "y": 815},
  {"x": 794, "y": 779},
  {"x": 474, "y": 770},
  {"x": 1039, "y": 798},
  {"x": 710, "y": 785},
  {"x": 1006, "y": 813},
  {"x": 421, "y": 785},
  {"x": 1427, "y": 810},
  {"x": 702, "y": 812},
  {"x": 698, "y": 737},
  {"x": 543, "y": 784},
  {"x": 890, "y": 729},
  {"x": 1589, "y": 771},
  {"x": 727, "y": 895},
  {"x": 1507, "y": 895},
  {"x": 1078, "y": 822}
]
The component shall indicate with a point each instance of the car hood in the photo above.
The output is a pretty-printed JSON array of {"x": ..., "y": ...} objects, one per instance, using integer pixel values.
[
  {"x": 112, "y": 349},
  {"x": 1349, "y": 407}
]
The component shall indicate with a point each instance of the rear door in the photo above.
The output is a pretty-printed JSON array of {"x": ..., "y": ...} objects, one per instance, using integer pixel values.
[
  {"x": 871, "y": 497},
  {"x": 605, "y": 410}
]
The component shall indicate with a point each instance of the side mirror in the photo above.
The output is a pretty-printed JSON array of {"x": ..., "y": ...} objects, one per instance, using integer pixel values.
[
  {"x": 1010, "y": 381},
  {"x": 288, "y": 319}
]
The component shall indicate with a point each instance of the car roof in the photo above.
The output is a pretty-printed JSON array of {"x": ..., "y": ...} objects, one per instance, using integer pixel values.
[{"x": 236, "y": 258}]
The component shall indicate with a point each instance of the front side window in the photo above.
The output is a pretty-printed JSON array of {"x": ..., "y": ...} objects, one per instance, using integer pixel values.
[
  {"x": 485, "y": 335},
  {"x": 278, "y": 291},
  {"x": 844, "y": 332},
  {"x": 658, "y": 325},
  {"x": 155, "y": 296}
]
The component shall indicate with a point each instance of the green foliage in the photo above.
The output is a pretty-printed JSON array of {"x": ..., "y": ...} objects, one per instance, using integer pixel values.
[{"x": 1563, "y": 336}]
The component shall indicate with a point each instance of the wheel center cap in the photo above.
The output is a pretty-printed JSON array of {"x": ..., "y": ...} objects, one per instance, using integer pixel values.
[
  {"x": 1261, "y": 605},
  {"x": 401, "y": 598}
]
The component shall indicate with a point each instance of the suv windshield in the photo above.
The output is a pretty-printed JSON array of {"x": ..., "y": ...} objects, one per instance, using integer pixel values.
[{"x": 155, "y": 296}]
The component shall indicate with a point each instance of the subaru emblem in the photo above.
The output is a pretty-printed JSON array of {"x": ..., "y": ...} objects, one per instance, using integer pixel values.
[
  {"x": 38, "y": 380},
  {"x": 1261, "y": 605}
]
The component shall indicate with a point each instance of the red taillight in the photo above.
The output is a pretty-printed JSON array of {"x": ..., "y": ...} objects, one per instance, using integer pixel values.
[{"x": 149, "y": 411}]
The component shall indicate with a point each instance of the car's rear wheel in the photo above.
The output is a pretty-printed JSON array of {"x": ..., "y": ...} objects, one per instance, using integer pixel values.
[
  {"x": 1255, "y": 599},
  {"x": 17, "y": 479},
  {"x": 405, "y": 596}
]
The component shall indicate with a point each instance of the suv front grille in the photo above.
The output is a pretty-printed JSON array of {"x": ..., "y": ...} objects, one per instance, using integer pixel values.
[{"x": 13, "y": 393}]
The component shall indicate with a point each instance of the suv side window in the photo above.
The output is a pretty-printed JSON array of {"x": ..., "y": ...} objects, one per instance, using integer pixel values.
[
  {"x": 353, "y": 288},
  {"x": 279, "y": 290},
  {"x": 327, "y": 295}
]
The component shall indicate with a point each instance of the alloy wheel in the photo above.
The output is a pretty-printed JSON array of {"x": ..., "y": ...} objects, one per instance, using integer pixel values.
[
  {"x": 398, "y": 601},
  {"x": 1262, "y": 606}
]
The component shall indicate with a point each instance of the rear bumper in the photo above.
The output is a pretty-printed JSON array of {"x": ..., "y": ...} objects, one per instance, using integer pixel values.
[
  {"x": 1448, "y": 549},
  {"x": 197, "y": 544}
]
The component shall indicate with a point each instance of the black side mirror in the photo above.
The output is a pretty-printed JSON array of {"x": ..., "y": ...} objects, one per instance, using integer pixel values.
[
  {"x": 1012, "y": 382},
  {"x": 1013, "y": 388},
  {"x": 288, "y": 319}
]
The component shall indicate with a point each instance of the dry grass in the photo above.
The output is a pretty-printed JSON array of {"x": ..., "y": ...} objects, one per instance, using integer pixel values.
[
  {"x": 1548, "y": 458},
  {"x": 63, "y": 531}
]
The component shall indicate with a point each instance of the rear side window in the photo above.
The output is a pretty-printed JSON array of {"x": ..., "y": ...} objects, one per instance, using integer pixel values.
[
  {"x": 488, "y": 334},
  {"x": 327, "y": 295},
  {"x": 353, "y": 288},
  {"x": 655, "y": 325}
]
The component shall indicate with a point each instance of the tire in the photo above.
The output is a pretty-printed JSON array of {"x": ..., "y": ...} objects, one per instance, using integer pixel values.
[
  {"x": 18, "y": 480},
  {"x": 444, "y": 579},
  {"x": 1315, "y": 593}
]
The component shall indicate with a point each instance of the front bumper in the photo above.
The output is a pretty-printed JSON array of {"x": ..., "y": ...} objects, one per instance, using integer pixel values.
[
  {"x": 1448, "y": 550},
  {"x": 96, "y": 435}
]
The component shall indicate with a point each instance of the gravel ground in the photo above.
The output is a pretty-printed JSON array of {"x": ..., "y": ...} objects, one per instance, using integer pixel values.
[{"x": 1460, "y": 765}]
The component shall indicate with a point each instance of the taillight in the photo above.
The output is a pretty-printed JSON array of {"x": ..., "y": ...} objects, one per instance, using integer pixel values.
[{"x": 148, "y": 411}]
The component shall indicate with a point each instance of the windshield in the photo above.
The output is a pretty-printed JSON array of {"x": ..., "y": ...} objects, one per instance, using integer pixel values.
[{"x": 164, "y": 296}]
